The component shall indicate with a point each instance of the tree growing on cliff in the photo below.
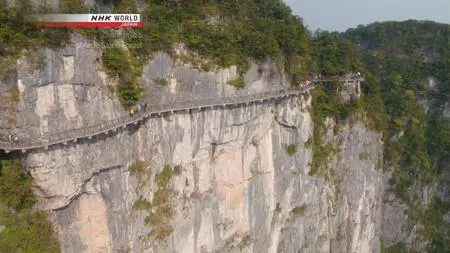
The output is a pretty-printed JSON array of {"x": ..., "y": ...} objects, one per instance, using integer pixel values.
[{"x": 24, "y": 229}]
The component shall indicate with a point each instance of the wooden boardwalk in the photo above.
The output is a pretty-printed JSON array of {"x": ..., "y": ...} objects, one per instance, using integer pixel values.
[
  {"x": 73, "y": 135},
  {"x": 88, "y": 132}
]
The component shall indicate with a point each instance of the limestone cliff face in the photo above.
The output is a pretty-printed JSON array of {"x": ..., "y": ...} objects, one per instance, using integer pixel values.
[{"x": 238, "y": 191}]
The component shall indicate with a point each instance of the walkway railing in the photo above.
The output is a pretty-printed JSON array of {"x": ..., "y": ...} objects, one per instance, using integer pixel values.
[{"x": 145, "y": 112}]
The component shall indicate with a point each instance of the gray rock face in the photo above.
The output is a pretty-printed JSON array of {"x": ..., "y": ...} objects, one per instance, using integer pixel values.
[{"x": 239, "y": 189}]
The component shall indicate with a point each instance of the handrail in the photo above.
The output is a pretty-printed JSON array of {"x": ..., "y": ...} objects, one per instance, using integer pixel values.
[{"x": 112, "y": 125}]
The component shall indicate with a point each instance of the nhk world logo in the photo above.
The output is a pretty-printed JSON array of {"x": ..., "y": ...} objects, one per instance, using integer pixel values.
[
  {"x": 88, "y": 20},
  {"x": 114, "y": 17}
]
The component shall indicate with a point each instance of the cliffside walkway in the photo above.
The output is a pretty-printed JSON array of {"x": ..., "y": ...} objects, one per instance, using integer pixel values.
[{"x": 88, "y": 132}]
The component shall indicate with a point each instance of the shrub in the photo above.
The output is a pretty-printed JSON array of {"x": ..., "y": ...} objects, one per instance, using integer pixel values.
[
  {"x": 163, "y": 178},
  {"x": 73, "y": 6},
  {"x": 25, "y": 230},
  {"x": 129, "y": 94},
  {"x": 142, "y": 204},
  {"x": 177, "y": 170},
  {"x": 119, "y": 65},
  {"x": 160, "y": 210},
  {"x": 138, "y": 167},
  {"x": 15, "y": 186},
  {"x": 161, "y": 233},
  {"x": 290, "y": 149},
  {"x": 308, "y": 143},
  {"x": 160, "y": 81},
  {"x": 299, "y": 210},
  {"x": 116, "y": 62},
  {"x": 238, "y": 83}
]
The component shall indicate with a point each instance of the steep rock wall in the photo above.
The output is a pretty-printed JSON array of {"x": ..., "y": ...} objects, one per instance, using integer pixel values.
[{"x": 239, "y": 190}]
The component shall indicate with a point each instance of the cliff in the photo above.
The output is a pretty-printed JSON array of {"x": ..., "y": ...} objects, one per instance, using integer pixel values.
[
  {"x": 247, "y": 178},
  {"x": 223, "y": 180}
]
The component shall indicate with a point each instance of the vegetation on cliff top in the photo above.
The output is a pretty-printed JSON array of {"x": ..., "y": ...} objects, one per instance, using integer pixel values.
[
  {"x": 24, "y": 229},
  {"x": 226, "y": 32},
  {"x": 15, "y": 36}
]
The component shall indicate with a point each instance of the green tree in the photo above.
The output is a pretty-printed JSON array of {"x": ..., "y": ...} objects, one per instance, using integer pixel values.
[{"x": 25, "y": 230}]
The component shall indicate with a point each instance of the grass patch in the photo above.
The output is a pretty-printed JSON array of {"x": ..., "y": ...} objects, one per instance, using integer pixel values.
[
  {"x": 238, "y": 83},
  {"x": 160, "y": 208},
  {"x": 290, "y": 149},
  {"x": 160, "y": 213},
  {"x": 142, "y": 204},
  {"x": 299, "y": 210},
  {"x": 161, "y": 233},
  {"x": 163, "y": 178},
  {"x": 138, "y": 167}
]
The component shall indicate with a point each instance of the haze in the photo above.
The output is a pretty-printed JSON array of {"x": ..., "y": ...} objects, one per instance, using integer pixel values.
[{"x": 340, "y": 15}]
